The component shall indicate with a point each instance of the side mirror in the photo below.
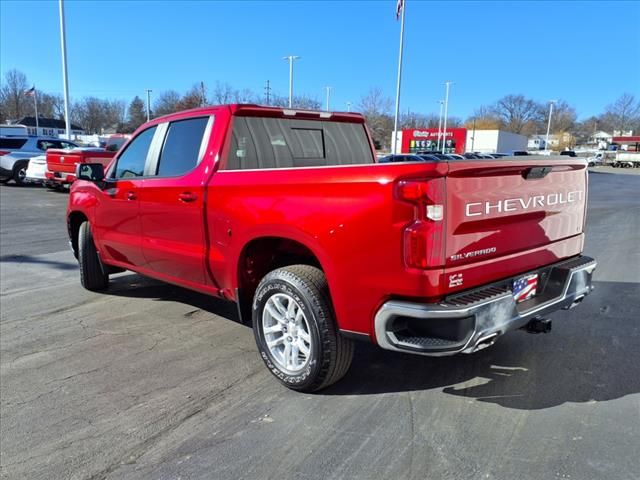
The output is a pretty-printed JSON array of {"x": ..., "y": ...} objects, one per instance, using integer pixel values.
[{"x": 92, "y": 172}]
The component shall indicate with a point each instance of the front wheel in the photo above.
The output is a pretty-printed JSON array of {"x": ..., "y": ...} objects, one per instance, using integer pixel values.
[
  {"x": 92, "y": 272},
  {"x": 295, "y": 330}
]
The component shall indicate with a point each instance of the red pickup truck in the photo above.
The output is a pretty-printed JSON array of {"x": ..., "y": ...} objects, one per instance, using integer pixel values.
[
  {"x": 61, "y": 164},
  {"x": 287, "y": 213}
]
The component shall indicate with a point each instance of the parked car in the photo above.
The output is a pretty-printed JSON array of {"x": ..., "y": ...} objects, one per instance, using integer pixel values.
[
  {"x": 36, "y": 170},
  {"x": 61, "y": 164},
  {"x": 520, "y": 153},
  {"x": 15, "y": 152},
  {"x": 568, "y": 153},
  {"x": 455, "y": 156},
  {"x": 286, "y": 213},
  {"x": 470, "y": 156},
  {"x": 402, "y": 157}
]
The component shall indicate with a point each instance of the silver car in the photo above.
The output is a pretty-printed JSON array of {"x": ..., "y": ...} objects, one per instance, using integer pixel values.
[{"x": 16, "y": 151}]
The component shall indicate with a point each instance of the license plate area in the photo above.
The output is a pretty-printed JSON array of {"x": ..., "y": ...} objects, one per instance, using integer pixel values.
[{"x": 525, "y": 287}]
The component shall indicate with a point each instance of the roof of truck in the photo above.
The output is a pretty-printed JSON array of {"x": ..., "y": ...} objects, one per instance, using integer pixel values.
[{"x": 247, "y": 109}]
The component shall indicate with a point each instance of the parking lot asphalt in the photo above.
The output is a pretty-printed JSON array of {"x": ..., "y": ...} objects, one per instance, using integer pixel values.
[{"x": 150, "y": 381}]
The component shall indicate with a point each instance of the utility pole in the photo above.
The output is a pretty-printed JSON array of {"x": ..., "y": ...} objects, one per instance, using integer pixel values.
[
  {"x": 149, "y": 104},
  {"x": 546, "y": 141},
  {"x": 267, "y": 92},
  {"x": 328, "y": 89},
  {"x": 204, "y": 96},
  {"x": 473, "y": 137},
  {"x": 63, "y": 45},
  {"x": 446, "y": 111},
  {"x": 291, "y": 59},
  {"x": 401, "y": 6},
  {"x": 441, "y": 102}
]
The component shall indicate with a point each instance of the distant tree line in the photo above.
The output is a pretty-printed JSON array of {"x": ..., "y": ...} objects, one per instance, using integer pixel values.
[{"x": 514, "y": 113}]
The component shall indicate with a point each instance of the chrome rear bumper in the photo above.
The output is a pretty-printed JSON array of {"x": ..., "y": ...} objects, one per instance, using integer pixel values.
[{"x": 470, "y": 321}]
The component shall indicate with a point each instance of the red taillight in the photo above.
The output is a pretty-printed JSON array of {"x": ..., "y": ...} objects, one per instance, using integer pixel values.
[
  {"x": 424, "y": 238},
  {"x": 3, "y": 152}
]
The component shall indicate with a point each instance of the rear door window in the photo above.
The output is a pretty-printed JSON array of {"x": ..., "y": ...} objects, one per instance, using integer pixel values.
[
  {"x": 258, "y": 143},
  {"x": 182, "y": 147},
  {"x": 132, "y": 161},
  {"x": 12, "y": 143}
]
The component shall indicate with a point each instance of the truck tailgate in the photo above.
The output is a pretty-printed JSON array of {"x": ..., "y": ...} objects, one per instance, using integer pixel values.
[
  {"x": 511, "y": 206},
  {"x": 65, "y": 161}
]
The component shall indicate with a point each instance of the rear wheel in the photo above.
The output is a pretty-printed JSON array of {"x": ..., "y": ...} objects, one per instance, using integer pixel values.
[
  {"x": 93, "y": 275},
  {"x": 20, "y": 173},
  {"x": 295, "y": 330}
]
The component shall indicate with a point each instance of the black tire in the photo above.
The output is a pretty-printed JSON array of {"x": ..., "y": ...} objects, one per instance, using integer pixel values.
[
  {"x": 92, "y": 272},
  {"x": 330, "y": 353},
  {"x": 20, "y": 173}
]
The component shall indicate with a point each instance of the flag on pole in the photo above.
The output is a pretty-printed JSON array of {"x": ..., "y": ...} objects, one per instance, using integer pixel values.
[
  {"x": 31, "y": 92},
  {"x": 399, "y": 7}
]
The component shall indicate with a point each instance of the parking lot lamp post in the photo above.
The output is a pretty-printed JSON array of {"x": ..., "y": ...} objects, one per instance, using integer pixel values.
[
  {"x": 63, "y": 44},
  {"x": 401, "y": 6},
  {"x": 149, "y": 104},
  {"x": 291, "y": 59},
  {"x": 441, "y": 102},
  {"x": 446, "y": 111},
  {"x": 546, "y": 141},
  {"x": 348, "y": 106},
  {"x": 328, "y": 97}
]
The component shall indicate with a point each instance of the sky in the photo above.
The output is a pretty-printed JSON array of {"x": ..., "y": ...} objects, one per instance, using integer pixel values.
[{"x": 587, "y": 53}]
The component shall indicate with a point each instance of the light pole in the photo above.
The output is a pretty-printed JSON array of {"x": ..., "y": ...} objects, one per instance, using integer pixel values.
[
  {"x": 546, "y": 141},
  {"x": 328, "y": 97},
  {"x": 65, "y": 82},
  {"x": 441, "y": 102},
  {"x": 291, "y": 59},
  {"x": 446, "y": 110},
  {"x": 348, "y": 106},
  {"x": 402, "y": 6},
  {"x": 149, "y": 104}
]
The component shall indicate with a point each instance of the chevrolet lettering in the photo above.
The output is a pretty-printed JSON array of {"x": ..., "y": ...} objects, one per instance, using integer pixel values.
[{"x": 520, "y": 204}]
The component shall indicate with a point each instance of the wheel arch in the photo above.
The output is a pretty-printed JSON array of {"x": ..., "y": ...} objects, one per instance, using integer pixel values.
[
  {"x": 262, "y": 254},
  {"x": 74, "y": 220}
]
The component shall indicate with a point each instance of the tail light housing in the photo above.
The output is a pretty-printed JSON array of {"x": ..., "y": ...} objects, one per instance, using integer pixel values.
[
  {"x": 424, "y": 237},
  {"x": 3, "y": 152}
]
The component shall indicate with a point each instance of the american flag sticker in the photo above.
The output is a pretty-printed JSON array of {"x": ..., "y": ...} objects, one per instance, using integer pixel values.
[{"x": 525, "y": 287}]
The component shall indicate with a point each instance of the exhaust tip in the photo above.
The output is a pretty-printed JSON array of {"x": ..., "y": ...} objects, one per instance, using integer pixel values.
[{"x": 538, "y": 325}]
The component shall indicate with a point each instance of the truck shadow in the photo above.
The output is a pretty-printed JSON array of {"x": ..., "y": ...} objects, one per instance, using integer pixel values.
[
  {"x": 592, "y": 355},
  {"x": 132, "y": 285}
]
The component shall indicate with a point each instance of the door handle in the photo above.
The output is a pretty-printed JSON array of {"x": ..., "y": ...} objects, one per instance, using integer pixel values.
[
  {"x": 131, "y": 195},
  {"x": 187, "y": 197}
]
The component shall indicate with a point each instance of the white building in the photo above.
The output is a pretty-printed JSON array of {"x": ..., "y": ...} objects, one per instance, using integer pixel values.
[
  {"x": 494, "y": 141},
  {"x": 50, "y": 127},
  {"x": 601, "y": 139}
]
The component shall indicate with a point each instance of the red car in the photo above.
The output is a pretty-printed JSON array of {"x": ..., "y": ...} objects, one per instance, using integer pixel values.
[{"x": 288, "y": 214}]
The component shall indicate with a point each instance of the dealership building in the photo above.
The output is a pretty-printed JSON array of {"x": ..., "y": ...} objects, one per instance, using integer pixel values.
[{"x": 459, "y": 140}]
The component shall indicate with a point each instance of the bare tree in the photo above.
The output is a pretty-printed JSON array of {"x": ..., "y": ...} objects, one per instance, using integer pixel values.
[
  {"x": 623, "y": 114},
  {"x": 166, "y": 103},
  {"x": 563, "y": 118},
  {"x": 14, "y": 103},
  {"x": 245, "y": 96},
  {"x": 418, "y": 120},
  {"x": 518, "y": 114},
  {"x": 191, "y": 99},
  {"x": 377, "y": 110},
  {"x": 223, "y": 94}
]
